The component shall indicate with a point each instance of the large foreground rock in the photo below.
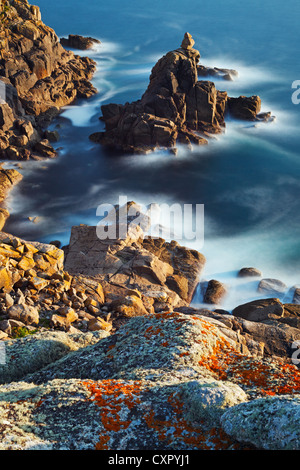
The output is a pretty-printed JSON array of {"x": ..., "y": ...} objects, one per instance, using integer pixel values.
[
  {"x": 35, "y": 351},
  {"x": 270, "y": 424},
  {"x": 165, "y": 381}
]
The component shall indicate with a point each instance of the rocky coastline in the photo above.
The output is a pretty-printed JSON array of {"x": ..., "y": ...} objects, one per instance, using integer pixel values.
[
  {"x": 38, "y": 77},
  {"x": 101, "y": 346},
  {"x": 102, "y": 334}
]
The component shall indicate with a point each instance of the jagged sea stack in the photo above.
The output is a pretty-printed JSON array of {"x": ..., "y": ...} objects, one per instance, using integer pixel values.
[{"x": 176, "y": 107}]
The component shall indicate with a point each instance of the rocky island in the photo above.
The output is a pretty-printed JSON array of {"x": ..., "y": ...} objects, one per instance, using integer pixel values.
[
  {"x": 101, "y": 346},
  {"x": 175, "y": 108}
]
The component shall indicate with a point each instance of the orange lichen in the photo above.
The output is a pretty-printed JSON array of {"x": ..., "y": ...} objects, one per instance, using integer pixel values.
[
  {"x": 112, "y": 396},
  {"x": 102, "y": 444},
  {"x": 228, "y": 364},
  {"x": 120, "y": 401},
  {"x": 184, "y": 354},
  {"x": 194, "y": 437}
]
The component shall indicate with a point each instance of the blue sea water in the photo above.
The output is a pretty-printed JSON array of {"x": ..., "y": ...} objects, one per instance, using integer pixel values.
[{"x": 247, "y": 179}]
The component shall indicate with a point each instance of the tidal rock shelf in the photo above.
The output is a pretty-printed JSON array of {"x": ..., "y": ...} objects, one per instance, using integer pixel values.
[{"x": 175, "y": 108}]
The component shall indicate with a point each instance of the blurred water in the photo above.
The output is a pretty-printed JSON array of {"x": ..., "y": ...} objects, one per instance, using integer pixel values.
[{"x": 247, "y": 179}]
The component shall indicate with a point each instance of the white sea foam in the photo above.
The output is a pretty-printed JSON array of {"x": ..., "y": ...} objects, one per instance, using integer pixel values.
[
  {"x": 226, "y": 256},
  {"x": 80, "y": 115},
  {"x": 248, "y": 75}
]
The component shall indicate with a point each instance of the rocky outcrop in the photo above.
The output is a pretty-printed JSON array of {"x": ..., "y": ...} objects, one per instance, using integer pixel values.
[
  {"x": 76, "y": 41},
  {"x": 36, "y": 292},
  {"x": 175, "y": 108},
  {"x": 37, "y": 77},
  {"x": 8, "y": 179},
  {"x": 245, "y": 108},
  {"x": 164, "y": 271},
  {"x": 271, "y": 323}
]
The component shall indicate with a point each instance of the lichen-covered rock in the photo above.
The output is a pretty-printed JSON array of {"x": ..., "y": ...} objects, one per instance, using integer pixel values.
[
  {"x": 270, "y": 423},
  {"x": 35, "y": 351},
  {"x": 162, "y": 381},
  {"x": 207, "y": 399},
  {"x": 164, "y": 343},
  {"x": 114, "y": 414}
]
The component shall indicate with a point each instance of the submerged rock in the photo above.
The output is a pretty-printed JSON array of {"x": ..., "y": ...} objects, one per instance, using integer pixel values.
[
  {"x": 245, "y": 108},
  {"x": 249, "y": 272},
  {"x": 272, "y": 287},
  {"x": 225, "y": 74},
  {"x": 215, "y": 292}
]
